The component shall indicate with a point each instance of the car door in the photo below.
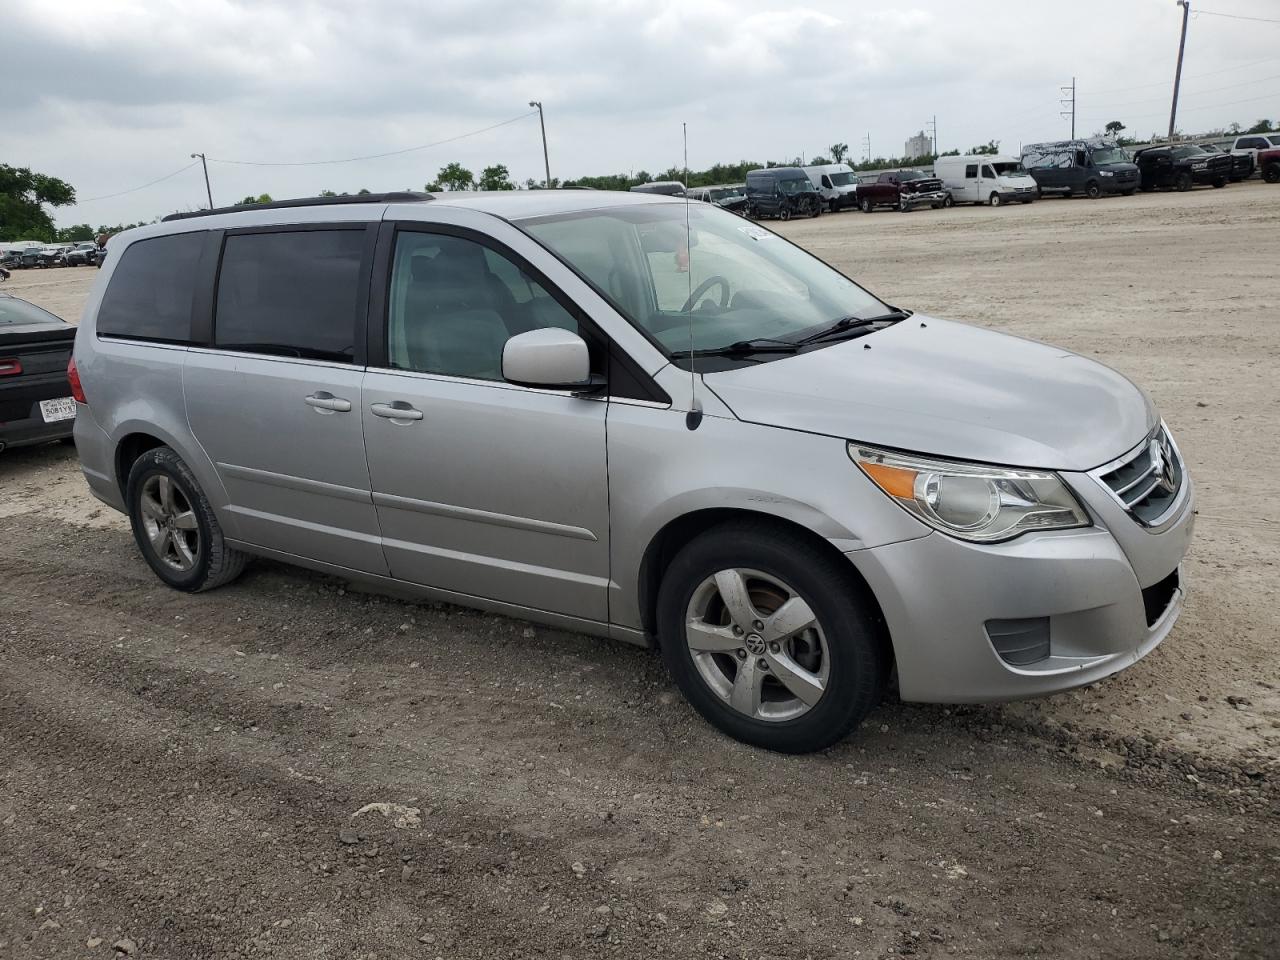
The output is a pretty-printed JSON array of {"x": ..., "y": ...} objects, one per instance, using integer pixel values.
[
  {"x": 274, "y": 399},
  {"x": 483, "y": 488}
]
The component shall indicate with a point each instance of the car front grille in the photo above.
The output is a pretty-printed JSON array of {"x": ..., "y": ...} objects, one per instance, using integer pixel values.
[{"x": 1147, "y": 480}]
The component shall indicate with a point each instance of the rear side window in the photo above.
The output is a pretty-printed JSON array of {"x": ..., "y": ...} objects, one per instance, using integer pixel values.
[
  {"x": 150, "y": 293},
  {"x": 970, "y": 170},
  {"x": 292, "y": 293}
]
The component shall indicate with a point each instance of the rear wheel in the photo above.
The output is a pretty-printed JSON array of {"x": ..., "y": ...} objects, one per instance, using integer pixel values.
[
  {"x": 865, "y": 204},
  {"x": 770, "y": 639},
  {"x": 1093, "y": 190},
  {"x": 947, "y": 201},
  {"x": 784, "y": 212},
  {"x": 1129, "y": 192},
  {"x": 175, "y": 527},
  {"x": 903, "y": 206},
  {"x": 1220, "y": 183}
]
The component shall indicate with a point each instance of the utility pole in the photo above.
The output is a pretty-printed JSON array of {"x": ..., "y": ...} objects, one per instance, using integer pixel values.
[
  {"x": 1177, "y": 74},
  {"x": 543, "y": 123},
  {"x": 1072, "y": 102},
  {"x": 933, "y": 135},
  {"x": 205, "y": 163},
  {"x": 866, "y": 142}
]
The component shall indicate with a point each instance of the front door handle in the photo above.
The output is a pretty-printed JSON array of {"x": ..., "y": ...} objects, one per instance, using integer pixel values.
[
  {"x": 326, "y": 402},
  {"x": 398, "y": 410}
]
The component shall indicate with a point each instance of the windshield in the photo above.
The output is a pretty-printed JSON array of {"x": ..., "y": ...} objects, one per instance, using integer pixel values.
[
  {"x": 725, "y": 193},
  {"x": 1103, "y": 155},
  {"x": 19, "y": 311},
  {"x": 1187, "y": 151},
  {"x": 744, "y": 282},
  {"x": 906, "y": 175},
  {"x": 795, "y": 185},
  {"x": 843, "y": 179},
  {"x": 1010, "y": 169}
]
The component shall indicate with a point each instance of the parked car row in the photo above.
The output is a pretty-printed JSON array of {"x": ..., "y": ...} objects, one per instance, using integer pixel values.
[{"x": 30, "y": 256}]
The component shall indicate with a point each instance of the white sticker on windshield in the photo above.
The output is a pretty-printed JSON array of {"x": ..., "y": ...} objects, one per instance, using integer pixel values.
[{"x": 756, "y": 233}]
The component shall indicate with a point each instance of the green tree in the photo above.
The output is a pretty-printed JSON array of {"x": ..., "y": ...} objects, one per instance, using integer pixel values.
[
  {"x": 496, "y": 177},
  {"x": 990, "y": 147},
  {"x": 819, "y": 161},
  {"x": 838, "y": 152},
  {"x": 363, "y": 191},
  {"x": 1113, "y": 128},
  {"x": 76, "y": 234},
  {"x": 454, "y": 176},
  {"x": 1262, "y": 126},
  {"x": 261, "y": 198},
  {"x": 23, "y": 198}
]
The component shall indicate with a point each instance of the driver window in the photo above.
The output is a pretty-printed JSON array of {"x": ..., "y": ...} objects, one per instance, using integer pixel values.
[
  {"x": 826, "y": 181},
  {"x": 454, "y": 303},
  {"x": 988, "y": 172}
]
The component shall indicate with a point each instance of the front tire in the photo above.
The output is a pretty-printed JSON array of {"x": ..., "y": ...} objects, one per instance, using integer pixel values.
[
  {"x": 1271, "y": 173},
  {"x": 1183, "y": 183},
  {"x": 1219, "y": 183},
  {"x": 1093, "y": 190},
  {"x": 865, "y": 204},
  {"x": 947, "y": 201},
  {"x": 994, "y": 200},
  {"x": 175, "y": 527},
  {"x": 772, "y": 640}
]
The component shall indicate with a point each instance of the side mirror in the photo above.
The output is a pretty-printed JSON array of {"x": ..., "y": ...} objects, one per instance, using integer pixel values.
[{"x": 550, "y": 357}]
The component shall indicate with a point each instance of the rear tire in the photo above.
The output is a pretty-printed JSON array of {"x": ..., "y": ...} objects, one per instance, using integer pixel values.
[
  {"x": 175, "y": 527},
  {"x": 947, "y": 201},
  {"x": 1219, "y": 183},
  {"x": 865, "y": 205},
  {"x": 845, "y": 644},
  {"x": 784, "y": 213}
]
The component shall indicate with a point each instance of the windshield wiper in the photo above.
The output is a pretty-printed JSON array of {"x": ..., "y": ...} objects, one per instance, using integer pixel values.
[
  {"x": 740, "y": 348},
  {"x": 845, "y": 324}
]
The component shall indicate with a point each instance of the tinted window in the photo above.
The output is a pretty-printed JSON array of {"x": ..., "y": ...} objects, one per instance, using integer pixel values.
[
  {"x": 293, "y": 293},
  {"x": 1254, "y": 143},
  {"x": 19, "y": 311},
  {"x": 150, "y": 292},
  {"x": 454, "y": 303},
  {"x": 970, "y": 169},
  {"x": 988, "y": 172}
]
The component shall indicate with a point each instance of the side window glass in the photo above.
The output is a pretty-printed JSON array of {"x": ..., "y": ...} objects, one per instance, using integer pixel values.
[
  {"x": 149, "y": 297},
  {"x": 826, "y": 181},
  {"x": 454, "y": 304},
  {"x": 290, "y": 293},
  {"x": 970, "y": 169}
]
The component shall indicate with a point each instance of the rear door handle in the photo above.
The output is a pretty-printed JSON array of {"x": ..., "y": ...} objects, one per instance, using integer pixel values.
[
  {"x": 326, "y": 402},
  {"x": 398, "y": 410}
]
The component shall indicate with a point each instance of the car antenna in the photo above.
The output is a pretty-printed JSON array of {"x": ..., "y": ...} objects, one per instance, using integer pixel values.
[{"x": 694, "y": 417}]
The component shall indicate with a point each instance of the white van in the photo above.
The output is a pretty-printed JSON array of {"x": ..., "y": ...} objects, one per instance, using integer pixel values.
[
  {"x": 986, "y": 178},
  {"x": 836, "y": 182}
]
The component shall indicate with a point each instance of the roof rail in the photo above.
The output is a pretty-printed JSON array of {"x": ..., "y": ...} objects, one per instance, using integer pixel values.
[{"x": 401, "y": 196}]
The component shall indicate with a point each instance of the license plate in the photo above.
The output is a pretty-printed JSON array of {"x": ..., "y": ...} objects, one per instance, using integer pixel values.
[{"x": 62, "y": 408}]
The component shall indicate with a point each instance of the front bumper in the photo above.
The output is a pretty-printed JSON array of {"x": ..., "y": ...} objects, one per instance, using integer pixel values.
[
  {"x": 940, "y": 597},
  {"x": 934, "y": 198},
  {"x": 1018, "y": 196}
]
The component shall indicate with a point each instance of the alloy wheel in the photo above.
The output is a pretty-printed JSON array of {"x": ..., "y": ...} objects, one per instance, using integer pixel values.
[
  {"x": 170, "y": 523},
  {"x": 757, "y": 645}
]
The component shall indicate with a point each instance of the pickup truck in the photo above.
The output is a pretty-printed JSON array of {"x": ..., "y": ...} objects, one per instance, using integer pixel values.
[
  {"x": 1269, "y": 163},
  {"x": 903, "y": 190}
]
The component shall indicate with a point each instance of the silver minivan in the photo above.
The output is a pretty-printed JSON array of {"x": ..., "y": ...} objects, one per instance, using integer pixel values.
[{"x": 639, "y": 418}]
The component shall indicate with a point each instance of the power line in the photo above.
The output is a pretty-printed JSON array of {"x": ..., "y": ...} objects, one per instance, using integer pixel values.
[
  {"x": 1197, "y": 93},
  {"x": 1234, "y": 16},
  {"x": 1207, "y": 106},
  {"x": 372, "y": 156},
  {"x": 108, "y": 196},
  {"x": 1198, "y": 76}
]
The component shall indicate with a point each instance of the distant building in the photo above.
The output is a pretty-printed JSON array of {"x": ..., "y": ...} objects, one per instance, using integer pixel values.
[{"x": 918, "y": 146}]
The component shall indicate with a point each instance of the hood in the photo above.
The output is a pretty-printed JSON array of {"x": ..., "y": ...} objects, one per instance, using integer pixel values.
[
  {"x": 951, "y": 390},
  {"x": 1123, "y": 167},
  {"x": 923, "y": 185}
]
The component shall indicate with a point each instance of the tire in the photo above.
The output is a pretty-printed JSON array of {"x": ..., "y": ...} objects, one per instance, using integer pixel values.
[
  {"x": 1183, "y": 183},
  {"x": 947, "y": 201},
  {"x": 1092, "y": 190},
  {"x": 865, "y": 205},
  {"x": 1271, "y": 173},
  {"x": 994, "y": 200},
  {"x": 845, "y": 640},
  {"x": 815, "y": 209},
  {"x": 832, "y": 207},
  {"x": 902, "y": 204},
  {"x": 201, "y": 560},
  {"x": 1219, "y": 183}
]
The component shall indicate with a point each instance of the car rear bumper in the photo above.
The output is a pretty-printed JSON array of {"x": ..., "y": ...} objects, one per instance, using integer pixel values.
[
  {"x": 1037, "y": 615},
  {"x": 97, "y": 452},
  {"x": 20, "y": 404}
]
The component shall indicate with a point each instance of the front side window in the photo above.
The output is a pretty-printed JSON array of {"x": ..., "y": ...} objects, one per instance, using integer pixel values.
[
  {"x": 721, "y": 281},
  {"x": 292, "y": 293},
  {"x": 454, "y": 303},
  {"x": 988, "y": 172},
  {"x": 843, "y": 179},
  {"x": 1104, "y": 155},
  {"x": 1010, "y": 169},
  {"x": 149, "y": 295}
]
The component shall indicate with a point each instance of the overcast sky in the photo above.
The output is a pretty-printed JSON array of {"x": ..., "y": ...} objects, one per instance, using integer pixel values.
[{"x": 110, "y": 95}]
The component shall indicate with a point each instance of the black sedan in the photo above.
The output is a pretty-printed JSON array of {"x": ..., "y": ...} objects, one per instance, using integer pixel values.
[{"x": 36, "y": 405}]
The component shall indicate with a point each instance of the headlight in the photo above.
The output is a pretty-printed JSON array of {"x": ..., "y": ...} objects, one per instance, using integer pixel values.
[
  {"x": 1107, "y": 173},
  {"x": 971, "y": 501}
]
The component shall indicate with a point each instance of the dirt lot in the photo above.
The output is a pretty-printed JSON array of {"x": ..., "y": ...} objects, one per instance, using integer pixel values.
[{"x": 182, "y": 776}]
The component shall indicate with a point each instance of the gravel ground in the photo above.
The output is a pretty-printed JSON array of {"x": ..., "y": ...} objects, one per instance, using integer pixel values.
[{"x": 184, "y": 776}]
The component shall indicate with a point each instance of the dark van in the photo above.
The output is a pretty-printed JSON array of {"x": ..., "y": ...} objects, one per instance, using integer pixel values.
[
  {"x": 1075, "y": 168},
  {"x": 782, "y": 192}
]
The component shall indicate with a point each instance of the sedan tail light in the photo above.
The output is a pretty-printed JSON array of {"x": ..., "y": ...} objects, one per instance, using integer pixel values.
[
  {"x": 10, "y": 367},
  {"x": 73, "y": 377}
]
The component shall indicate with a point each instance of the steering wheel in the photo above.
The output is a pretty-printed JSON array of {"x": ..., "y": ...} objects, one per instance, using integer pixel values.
[{"x": 703, "y": 287}]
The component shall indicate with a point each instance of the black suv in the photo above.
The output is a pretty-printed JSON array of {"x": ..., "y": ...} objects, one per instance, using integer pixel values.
[
  {"x": 782, "y": 192},
  {"x": 1181, "y": 167}
]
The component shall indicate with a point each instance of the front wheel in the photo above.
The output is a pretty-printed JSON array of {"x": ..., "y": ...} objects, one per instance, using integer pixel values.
[
  {"x": 903, "y": 207},
  {"x": 994, "y": 200},
  {"x": 1271, "y": 173},
  {"x": 1219, "y": 183},
  {"x": 784, "y": 212},
  {"x": 1129, "y": 192},
  {"x": 770, "y": 638},
  {"x": 1183, "y": 183},
  {"x": 1093, "y": 190},
  {"x": 175, "y": 527},
  {"x": 865, "y": 204}
]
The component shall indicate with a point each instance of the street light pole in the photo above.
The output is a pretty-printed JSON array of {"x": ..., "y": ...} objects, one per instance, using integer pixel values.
[
  {"x": 205, "y": 163},
  {"x": 1177, "y": 74},
  {"x": 543, "y": 123}
]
